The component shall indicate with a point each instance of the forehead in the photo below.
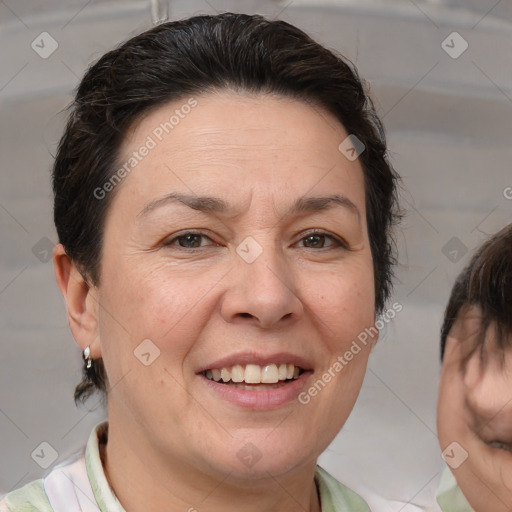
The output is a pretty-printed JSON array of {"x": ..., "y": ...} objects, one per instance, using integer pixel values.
[
  {"x": 474, "y": 335},
  {"x": 250, "y": 119},
  {"x": 234, "y": 142}
]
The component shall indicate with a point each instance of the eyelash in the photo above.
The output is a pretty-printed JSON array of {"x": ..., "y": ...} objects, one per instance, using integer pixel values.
[{"x": 338, "y": 242}]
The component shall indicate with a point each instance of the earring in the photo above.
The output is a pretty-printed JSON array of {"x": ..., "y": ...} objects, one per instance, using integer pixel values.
[{"x": 87, "y": 355}]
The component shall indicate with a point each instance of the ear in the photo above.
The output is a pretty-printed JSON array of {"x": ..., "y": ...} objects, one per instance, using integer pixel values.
[{"x": 81, "y": 301}]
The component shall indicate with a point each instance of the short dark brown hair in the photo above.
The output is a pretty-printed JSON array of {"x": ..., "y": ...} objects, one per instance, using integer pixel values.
[
  {"x": 245, "y": 53},
  {"x": 486, "y": 282}
]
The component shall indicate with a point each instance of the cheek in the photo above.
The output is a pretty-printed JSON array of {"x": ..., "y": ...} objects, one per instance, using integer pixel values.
[
  {"x": 486, "y": 484},
  {"x": 341, "y": 305},
  {"x": 161, "y": 305},
  {"x": 452, "y": 418},
  {"x": 342, "y": 300},
  {"x": 158, "y": 299}
]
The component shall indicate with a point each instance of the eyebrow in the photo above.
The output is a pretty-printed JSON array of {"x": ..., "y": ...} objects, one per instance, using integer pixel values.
[{"x": 214, "y": 205}]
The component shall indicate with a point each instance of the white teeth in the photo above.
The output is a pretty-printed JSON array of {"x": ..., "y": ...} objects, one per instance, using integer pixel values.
[
  {"x": 237, "y": 373},
  {"x": 254, "y": 374},
  {"x": 270, "y": 374}
]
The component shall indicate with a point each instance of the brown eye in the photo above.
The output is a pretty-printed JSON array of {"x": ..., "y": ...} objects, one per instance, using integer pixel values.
[
  {"x": 317, "y": 240},
  {"x": 190, "y": 241}
]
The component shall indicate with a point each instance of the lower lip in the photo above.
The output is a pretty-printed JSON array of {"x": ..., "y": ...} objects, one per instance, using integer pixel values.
[{"x": 259, "y": 399}]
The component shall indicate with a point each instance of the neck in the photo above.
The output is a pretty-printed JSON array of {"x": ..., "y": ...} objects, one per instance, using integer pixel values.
[{"x": 142, "y": 480}]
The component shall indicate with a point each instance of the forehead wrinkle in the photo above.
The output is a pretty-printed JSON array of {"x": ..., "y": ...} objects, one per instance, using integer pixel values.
[
  {"x": 270, "y": 147},
  {"x": 205, "y": 139}
]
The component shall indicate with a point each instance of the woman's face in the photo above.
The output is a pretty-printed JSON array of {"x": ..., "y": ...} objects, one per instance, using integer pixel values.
[
  {"x": 236, "y": 245},
  {"x": 475, "y": 414}
]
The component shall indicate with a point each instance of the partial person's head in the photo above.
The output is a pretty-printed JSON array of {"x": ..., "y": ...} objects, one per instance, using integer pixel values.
[
  {"x": 475, "y": 394},
  {"x": 213, "y": 213}
]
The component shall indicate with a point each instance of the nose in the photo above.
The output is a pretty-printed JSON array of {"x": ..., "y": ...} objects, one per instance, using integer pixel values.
[
  {"x": 262, "y": 292},
  {"x": 489, "y": 386}
]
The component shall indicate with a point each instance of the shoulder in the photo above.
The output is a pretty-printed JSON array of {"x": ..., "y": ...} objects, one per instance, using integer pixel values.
[
  {"x": 335, "y": 497},
  {"x": 29, "y": 498}
]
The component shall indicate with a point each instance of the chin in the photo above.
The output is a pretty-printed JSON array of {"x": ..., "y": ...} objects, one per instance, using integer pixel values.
[{"x": 259, "y": 460}]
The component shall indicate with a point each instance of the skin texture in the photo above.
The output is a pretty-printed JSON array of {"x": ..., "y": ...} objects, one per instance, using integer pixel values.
[
  {"x": 173, "y": 442},
  {"x": 475, "y": 410}
]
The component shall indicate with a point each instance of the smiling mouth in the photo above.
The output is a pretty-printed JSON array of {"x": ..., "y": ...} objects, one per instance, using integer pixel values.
[{"x": 255, "y": 377}]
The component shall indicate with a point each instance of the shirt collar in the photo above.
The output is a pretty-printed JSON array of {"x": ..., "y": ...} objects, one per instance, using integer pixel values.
[{"x": 105, "y": 498}]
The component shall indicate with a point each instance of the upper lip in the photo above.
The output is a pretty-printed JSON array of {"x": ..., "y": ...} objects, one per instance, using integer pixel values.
[{"x": 256, "y": 358}]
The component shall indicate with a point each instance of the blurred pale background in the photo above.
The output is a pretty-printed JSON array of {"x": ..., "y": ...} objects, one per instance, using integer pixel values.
[{"x": 446, "y": 101}]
